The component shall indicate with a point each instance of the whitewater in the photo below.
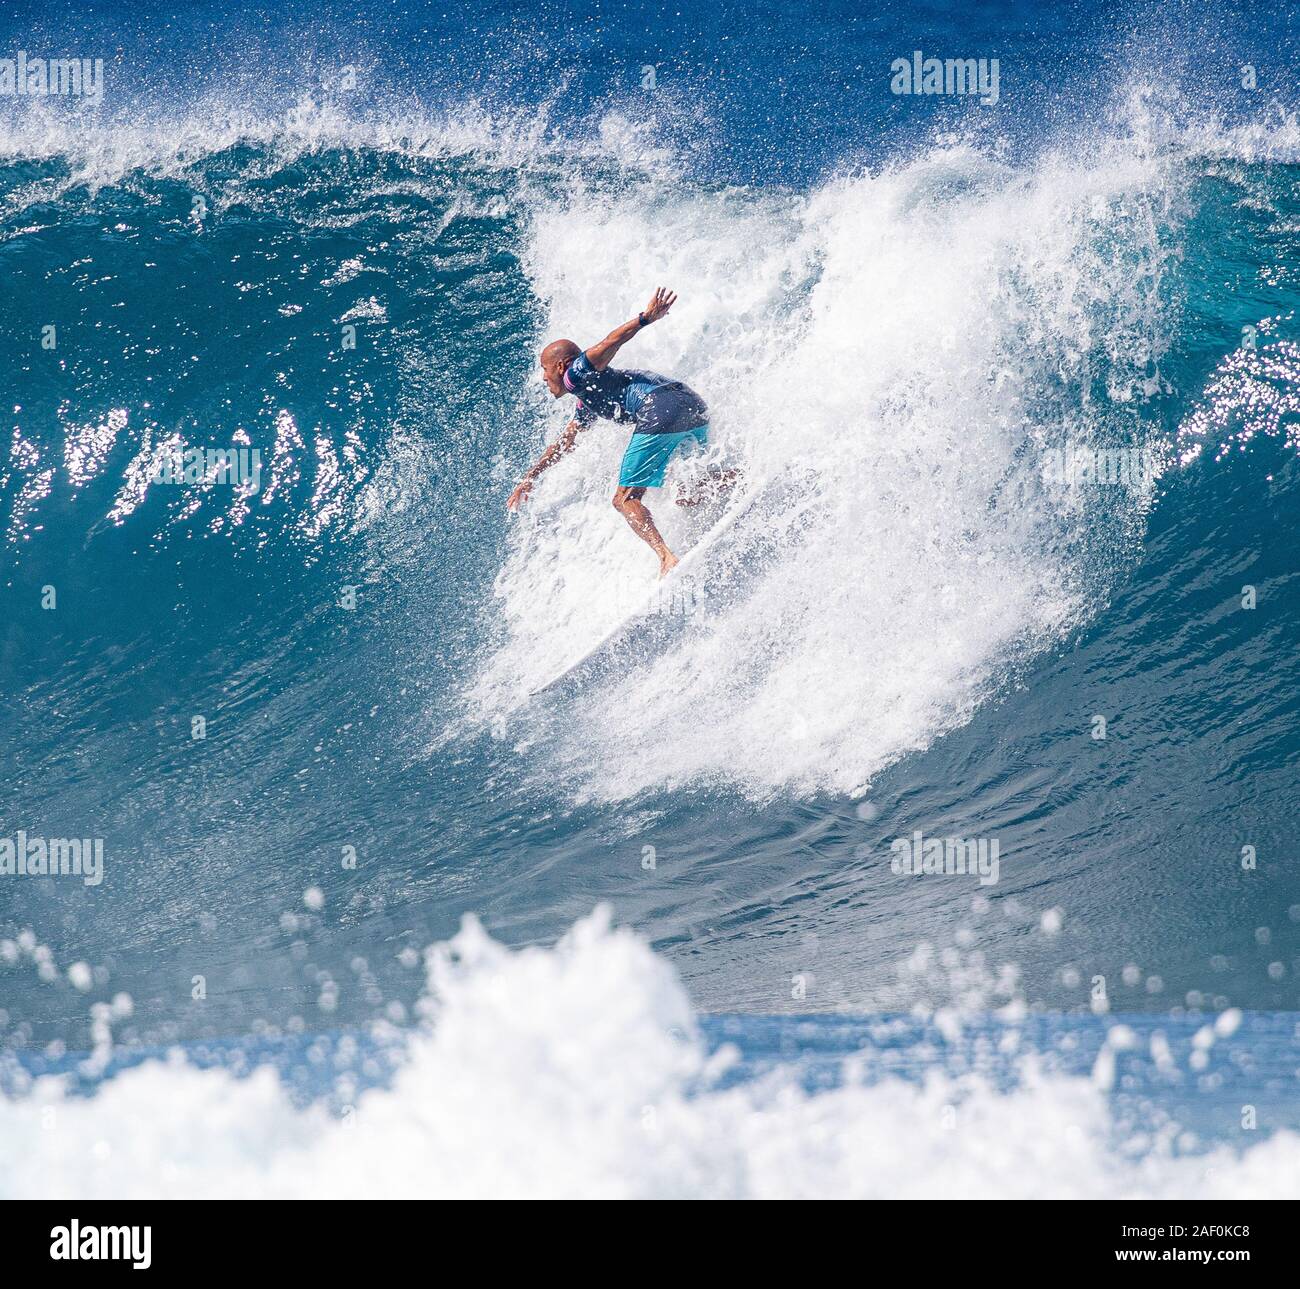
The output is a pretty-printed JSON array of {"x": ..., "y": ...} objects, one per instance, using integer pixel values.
[{"x": 603, "y": 1085}]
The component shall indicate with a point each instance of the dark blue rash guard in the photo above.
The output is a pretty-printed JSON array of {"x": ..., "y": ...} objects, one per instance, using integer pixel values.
[{"x": 652, "y": 403}]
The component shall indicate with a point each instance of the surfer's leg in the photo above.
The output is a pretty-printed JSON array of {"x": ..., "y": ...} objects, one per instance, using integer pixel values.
[
  {"x": 644, "y": 464},
  {"x": 688, "y": 442},
  {"x": 627, "y": 501}
]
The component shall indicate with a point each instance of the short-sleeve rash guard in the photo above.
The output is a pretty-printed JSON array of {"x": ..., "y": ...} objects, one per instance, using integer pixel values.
[{"x": 654, "y": 403}]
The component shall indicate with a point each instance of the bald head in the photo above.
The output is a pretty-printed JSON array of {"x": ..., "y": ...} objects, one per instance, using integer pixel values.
[
  {"x": 559, "y": 351},
  {"x": 555, "y": 359}
]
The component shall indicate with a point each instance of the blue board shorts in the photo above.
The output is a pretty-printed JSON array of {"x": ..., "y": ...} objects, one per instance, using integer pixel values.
[{"x": 647, "y": 455}]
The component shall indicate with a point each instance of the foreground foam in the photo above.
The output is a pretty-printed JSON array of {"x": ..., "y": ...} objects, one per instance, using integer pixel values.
[{"x": 579, "y": 1071}]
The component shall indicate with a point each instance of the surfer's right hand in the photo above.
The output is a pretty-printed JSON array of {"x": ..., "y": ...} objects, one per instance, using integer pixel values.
[{"x": 520, "y": 495}]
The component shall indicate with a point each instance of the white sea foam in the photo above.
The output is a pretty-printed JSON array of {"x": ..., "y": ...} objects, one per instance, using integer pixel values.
[
  {"x": 101, "y": 151},
  {"x": 895, "y": 350},
  {"x": 577, "y": 1071}
]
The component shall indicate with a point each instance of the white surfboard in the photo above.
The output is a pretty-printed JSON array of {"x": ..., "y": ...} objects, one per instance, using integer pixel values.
[{"x": 689, "y": 561}]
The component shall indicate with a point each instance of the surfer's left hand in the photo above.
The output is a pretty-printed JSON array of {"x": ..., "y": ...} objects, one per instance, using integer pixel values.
[{"x": 520, "y": 495}]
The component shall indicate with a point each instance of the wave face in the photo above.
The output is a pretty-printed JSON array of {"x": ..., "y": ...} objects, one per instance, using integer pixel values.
[{"x": 1019, "y": 391}]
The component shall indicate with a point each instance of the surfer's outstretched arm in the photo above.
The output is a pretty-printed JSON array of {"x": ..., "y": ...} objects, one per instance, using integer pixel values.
[
  {"x": 561, "y": 446},
  {"x": 601, "y": 355}
]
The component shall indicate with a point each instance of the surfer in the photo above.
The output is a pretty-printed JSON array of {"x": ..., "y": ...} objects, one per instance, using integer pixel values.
[{"x": 666, "y": 417}]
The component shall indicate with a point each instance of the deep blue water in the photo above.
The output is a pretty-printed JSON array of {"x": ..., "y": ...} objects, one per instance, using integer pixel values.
[{"x": 903, "y": 306}]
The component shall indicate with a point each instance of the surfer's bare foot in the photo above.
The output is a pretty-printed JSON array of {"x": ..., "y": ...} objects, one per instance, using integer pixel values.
[{"x": 667, "y": 562}]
